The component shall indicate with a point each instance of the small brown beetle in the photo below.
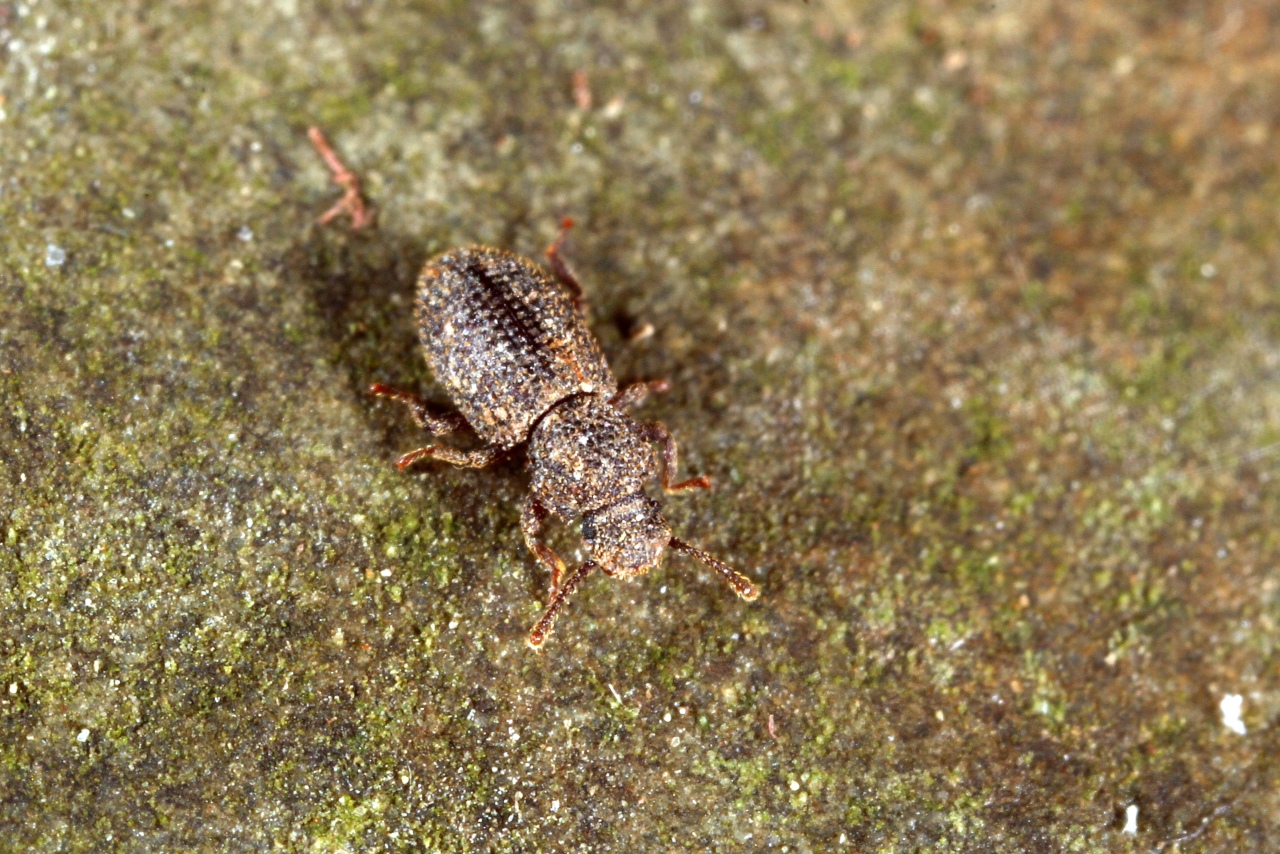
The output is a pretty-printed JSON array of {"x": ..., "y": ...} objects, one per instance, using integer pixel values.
[{"x": 510, "y": 344}]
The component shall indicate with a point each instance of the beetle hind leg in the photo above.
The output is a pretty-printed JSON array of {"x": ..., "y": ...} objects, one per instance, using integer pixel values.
[{"x": 433, "y": 423}]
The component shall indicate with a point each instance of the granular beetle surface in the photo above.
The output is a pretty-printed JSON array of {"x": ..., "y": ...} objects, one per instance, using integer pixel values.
[{"x": 510, "y": 344}]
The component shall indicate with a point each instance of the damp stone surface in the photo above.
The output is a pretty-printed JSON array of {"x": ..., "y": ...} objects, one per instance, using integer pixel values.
[{"x": 969, "y": 311}]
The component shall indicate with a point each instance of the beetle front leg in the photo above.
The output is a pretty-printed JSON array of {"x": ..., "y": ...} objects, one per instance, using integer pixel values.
[
  {"x": 634, "y": 394},
  {"x": 436, "y": 425},
  {"x": 532, "y": 515},
  {"x": 656, "y": 431},
  {"x": 543, "y": 627}
]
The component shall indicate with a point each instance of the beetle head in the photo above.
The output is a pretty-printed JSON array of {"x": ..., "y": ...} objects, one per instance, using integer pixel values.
[{"x": 626, "y": 538}]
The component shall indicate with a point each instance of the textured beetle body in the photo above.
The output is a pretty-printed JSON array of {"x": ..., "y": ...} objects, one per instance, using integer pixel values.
[
  {"x": 506, "y": 340},
  {"x": 586, "y": 454},
  {"x": 509, "y": 343}
]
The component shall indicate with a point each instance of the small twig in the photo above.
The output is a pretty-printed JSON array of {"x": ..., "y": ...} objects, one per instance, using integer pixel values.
[
  {"x": 581, "y": 89},
  {"x": 351, "y": 202},
  {"x": 1194, "y": 834}
]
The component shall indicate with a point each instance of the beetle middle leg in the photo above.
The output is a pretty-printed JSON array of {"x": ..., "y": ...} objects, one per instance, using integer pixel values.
[
  {"x": 477, "y": 459},
  {"x": 437, "y": 425},
  {"x": 532, "y": 515},
  {"x": 656, "y": 431},
  {"x": 561, "y": 269}
]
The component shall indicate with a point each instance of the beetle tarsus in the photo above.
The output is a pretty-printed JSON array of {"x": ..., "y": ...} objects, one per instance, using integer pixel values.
[{"x": 413, "y": 456}]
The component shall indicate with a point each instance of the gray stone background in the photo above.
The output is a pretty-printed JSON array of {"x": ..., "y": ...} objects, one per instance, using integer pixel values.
[{"x": 970, "y": 310}]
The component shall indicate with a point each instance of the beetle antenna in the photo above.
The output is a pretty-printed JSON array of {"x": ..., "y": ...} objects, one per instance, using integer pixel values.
[
  {"x": 563, "y": 592},
  {"x": 739, "y": 582}
]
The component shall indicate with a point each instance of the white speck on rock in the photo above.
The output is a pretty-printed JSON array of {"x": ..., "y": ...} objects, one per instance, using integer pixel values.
[
  {"x": 54, "y": 255},
  {"x": 245, "y": 233},
  {"x": 1131, "y": 820},
  {"x": 83, "y": 736},
  {"x": 1231, "y": 706}
]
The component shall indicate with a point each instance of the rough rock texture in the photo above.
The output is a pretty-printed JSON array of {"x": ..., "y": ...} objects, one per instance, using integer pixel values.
[{"x": 970, "y": 310}]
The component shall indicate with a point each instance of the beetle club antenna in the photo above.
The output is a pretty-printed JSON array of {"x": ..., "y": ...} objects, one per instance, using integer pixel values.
[
  {"x": 739, "y": 582},
  {"x": 563, "y": 592}
]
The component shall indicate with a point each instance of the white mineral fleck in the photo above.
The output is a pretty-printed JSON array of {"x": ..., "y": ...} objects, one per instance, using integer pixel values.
[
  {"x": 1131, "y": 820},
  {"x": 1231, "y": 706}
]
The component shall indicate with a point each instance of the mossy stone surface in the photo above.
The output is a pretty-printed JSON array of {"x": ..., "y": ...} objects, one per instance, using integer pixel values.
[{"x": 970, "y": 310}]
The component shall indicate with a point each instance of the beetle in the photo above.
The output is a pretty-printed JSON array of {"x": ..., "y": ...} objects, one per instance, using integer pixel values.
[{"x": 510, "y": 344}]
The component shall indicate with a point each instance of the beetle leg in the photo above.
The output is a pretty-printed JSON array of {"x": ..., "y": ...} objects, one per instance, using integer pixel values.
[
  {"x": 634, "y": 394},
  {"x": 543, "y": 627},
  {"x": 656, "y": 431},
  {"x": 532, "y": 515},
  {"x": 476, "y": 459},
  {"x": 561, "y": 269},
  {"x": 739, "y": 582},
  {"x": 437, "y": 425}
]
